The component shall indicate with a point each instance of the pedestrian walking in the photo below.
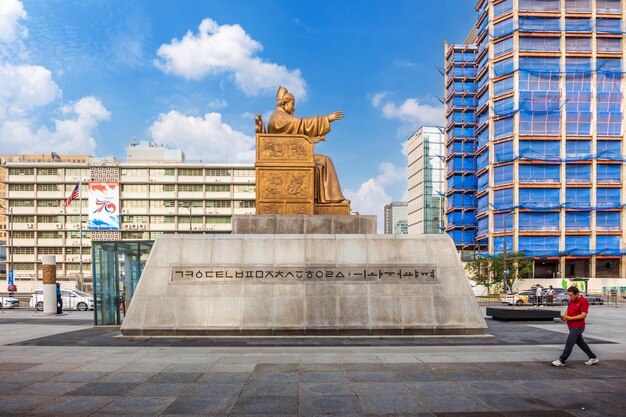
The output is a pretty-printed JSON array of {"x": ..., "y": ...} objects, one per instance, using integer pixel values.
[
  {"x": 577, "y": 310},
  {"x": 550, "y": 296},
  {"x": 59, "y": 300},
  {"x": 538, "y": 294}
]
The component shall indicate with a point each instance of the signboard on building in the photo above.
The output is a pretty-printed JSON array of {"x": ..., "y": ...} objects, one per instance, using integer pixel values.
[
  {"x": 11, "y": 278},
  {"x": 104, "y": 206}
]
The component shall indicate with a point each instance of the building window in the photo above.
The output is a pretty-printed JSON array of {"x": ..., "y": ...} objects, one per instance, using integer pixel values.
[
  {"x": 190, "y": 188},
  {"x": 135, "y": 188},
  {"x": 51, "y": 251},
  {"x": 218, "y": 219},
  {"x": 244, "y": 173},
  {"x": 218, "y": 172},
  {"x": 21, "y": 171},
  {"x": 162, "y": 219},
  {"x": 135, "y": 203},
  {"x": 190, "y": 203},
  {"x": 23, "y": 219},
  {"x": 24, "y": 266},
  {"x": 23, "y": 251},
  {"x": 22, "y": 203},
  {"x": 186, "y": 172},
  {"x": 135, "y": 219},
  {"x": 135, "y": 235},
  {"x": 162, "y": 203},
  {"x": 50, "y": 235},
  {"x": 134, "y": 172},
  {"x": 218, "y": 188},
  {"x": 75, "y": 219},
  {"x": 194, "y": 219},
  {"x": 47, "y": 171},
  {"x": 162, "y": 188},
  {"x": 246, "y": 204},
  {"x": 218, "y": 203},
  {"x": 245, "y": 188},
  {"x": 23, "y": 235},
  {"x": 75, "y": 251},
  {"x": 76, "y": 235},
  {"x": 21, "y": 187},
  {"x": 155, "y": 235},
  {"x": 162, "y": 172},
  {"x": 50, "y": 219},
  {"x": 49, "y": 203},
  {"x": 47, "y": 187},
  {"x": 77, "y": 172}
]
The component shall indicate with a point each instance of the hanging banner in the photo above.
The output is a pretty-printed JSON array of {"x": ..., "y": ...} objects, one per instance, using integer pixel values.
[{"x": 104, "y": 203}]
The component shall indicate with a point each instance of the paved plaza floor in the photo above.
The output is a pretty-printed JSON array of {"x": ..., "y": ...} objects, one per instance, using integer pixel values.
[{"x": 62, "y": 366}]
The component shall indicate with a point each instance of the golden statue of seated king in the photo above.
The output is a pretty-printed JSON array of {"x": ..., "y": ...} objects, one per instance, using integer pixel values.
[{"x": 291, "y": 179}]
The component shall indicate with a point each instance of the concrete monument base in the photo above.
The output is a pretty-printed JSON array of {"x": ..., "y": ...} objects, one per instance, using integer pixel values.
[{"x": 315, "y": 284}]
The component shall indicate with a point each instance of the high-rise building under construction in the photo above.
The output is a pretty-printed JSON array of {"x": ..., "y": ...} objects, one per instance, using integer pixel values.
[{"x": 534, "y": 135}]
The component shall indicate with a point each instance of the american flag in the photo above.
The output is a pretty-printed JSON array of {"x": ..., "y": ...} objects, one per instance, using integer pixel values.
[{"x": 73, "y": 196}]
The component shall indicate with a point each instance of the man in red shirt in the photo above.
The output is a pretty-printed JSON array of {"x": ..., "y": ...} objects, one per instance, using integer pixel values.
[{"x": 577, "y": 310}]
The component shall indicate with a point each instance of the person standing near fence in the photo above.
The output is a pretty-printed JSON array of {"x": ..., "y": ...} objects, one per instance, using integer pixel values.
[
  {"x": 550, "y": 296},
  {"x": 577, "y": 310},
  {"x": 538, "y": 294}
]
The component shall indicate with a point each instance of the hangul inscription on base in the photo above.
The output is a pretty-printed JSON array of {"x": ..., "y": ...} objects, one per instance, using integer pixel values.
[{"x": 406, "y": 273}]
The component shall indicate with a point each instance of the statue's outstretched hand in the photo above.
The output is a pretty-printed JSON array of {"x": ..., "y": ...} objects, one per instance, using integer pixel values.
[{"x": 335, "y": 116}]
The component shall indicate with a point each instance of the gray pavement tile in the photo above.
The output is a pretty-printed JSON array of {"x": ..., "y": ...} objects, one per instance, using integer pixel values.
[
  {"x": 138, "y": 405},
  {"x": 225, "y": 377},
  {"x": 175, "y": 377},
  {"x": 520, "y": 374},
  {"x": 537, "y": 413},
  {"x": 453, "y": 403},
  {"x": 51, "y": 388},
  {"x": 325, "y": 388},
  {"x": 111, "y": 389},
  {"x": 25, "y": 377},
  {"x": 16, "y": 404},
  {"x": 269, "y": 389},
  {"x": 7, "y": 387},
  {"x": 148, "y": 389},
  {"x": 233, "y": 367},
  {"x": 539, "y": 386},
  {"x": 598, "y": 371},
  {"x": 573, "y": 401},
  {"x": 371, "y": 376},
  {"x": 321, "y": 367},
  {"x": 69, "y": 404},
  {"x": 366, "y": 367},
  {"x": 606, "y": 412},
  {"x": 319, "y": 358},
  {"x": 77, "y": 376},
  {"x": 200, "y": 405},
  {"x": 265, "y": 405},
  {"x": 616, "y": 397},
  {"x": 515, "y": 402},
  {"x": 278, "y": 377},
  {"x": 209, "y": 389},
  {"x": 471, "y": 414},
  {"x": 239, "y": 359},
  {"x": 277, "y": 367},
  {"x": 489, "y": 387},
  {"x": 435, "y": 388},
  {"x": 323, "y": 377},
  {"x": 419, "y": 376},
  {"x": 387, "y": 404},
  {"x": 592, "y": 385},
  {"x": 17, "y": 366},
  {"x": 188, "y": 367},
  {"x": 339, "y": 404},
  {"x": 380, "y": 388},
  {"x": 125, "y": 377}
]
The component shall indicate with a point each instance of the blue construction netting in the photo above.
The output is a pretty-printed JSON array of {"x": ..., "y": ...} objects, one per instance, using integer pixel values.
[
  {"x": 539, "y": 5},
  {"x": 529, "y": 174},
  {"x": 550, "y": 151},
  {"x": 577, "y": 221},
  {"x": 608, "y": 220},
  {"x": 578, "y": 6},
  {"x": 542, "y": 221},
  {"x": 576, "y": 25}
]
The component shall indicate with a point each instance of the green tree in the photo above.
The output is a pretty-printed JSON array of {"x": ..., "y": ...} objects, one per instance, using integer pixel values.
[{"x": 490, "y": 272}]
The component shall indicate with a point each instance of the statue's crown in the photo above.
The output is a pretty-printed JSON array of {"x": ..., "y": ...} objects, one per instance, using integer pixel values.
[{"x": 282, "y": 95}]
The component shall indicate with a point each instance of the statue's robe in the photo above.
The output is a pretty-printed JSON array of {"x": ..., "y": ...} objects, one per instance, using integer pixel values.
[{"x": 327, "y": 189}]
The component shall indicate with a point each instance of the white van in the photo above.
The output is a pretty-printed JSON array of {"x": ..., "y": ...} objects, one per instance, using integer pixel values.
[{"x": 72, "y": 300}]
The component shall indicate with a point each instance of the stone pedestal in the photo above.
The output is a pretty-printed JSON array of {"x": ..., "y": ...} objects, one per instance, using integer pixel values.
[
  {"x": 303, "y": 224},
  {"x": 49, "y": 284},
  {"x": 324, "y": 284}
]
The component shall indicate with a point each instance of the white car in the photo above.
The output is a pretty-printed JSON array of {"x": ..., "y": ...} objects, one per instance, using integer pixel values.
[
  {"x": 72, "y": 300},
  {"x": 9, "y": 302}
]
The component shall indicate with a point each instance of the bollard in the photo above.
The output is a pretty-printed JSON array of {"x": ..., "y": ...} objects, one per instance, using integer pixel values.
[{"x": 49, "y": 263}]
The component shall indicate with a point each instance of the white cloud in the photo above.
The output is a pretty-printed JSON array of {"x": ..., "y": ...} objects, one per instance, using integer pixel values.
[
  {"x": 25, "y": 87},
  {"x": 372, "y": 195},
  {"x": 228, "y": 49},
  {"x": 218, "y": 103},
  {"x": 414, "y": 112},
  {"x": 378, "y": 98},
  {"x": 71, "y": 135},
  {"x": 11, "y": 12},
  {"x": 206, "y": 138}
]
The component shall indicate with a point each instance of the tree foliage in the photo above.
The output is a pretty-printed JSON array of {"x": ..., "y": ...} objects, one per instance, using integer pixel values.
[{"x": 490, "y": 272}]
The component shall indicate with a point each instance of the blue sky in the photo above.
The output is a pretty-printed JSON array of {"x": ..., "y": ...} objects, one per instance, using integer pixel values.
[{"x": 86, "y": 76}]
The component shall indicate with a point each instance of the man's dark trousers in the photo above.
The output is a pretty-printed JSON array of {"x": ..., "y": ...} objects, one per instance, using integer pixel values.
[{"x": 576, "y": 338}]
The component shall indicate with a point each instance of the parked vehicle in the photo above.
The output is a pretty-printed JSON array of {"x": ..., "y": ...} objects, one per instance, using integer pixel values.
[
  {"x": 519, "y": 298},
  {"x": 9, "y": 302},
  {"x": 563, "y": 298},
  {"x": 72, "y": 300}
]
